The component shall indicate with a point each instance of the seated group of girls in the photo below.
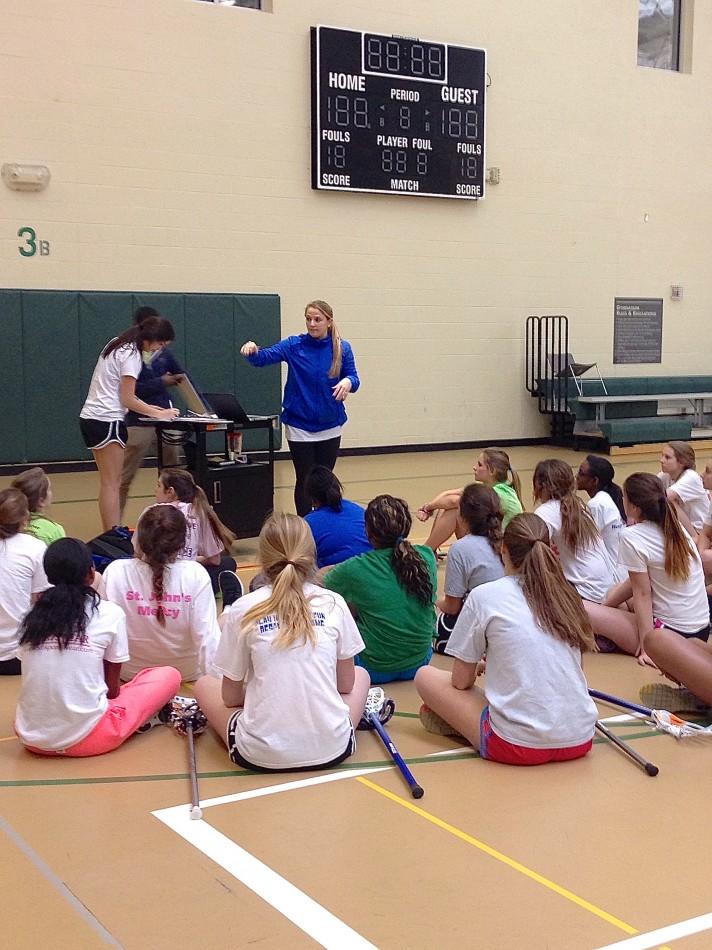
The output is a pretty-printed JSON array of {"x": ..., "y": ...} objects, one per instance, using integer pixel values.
[{"x": 347, "y": 600}]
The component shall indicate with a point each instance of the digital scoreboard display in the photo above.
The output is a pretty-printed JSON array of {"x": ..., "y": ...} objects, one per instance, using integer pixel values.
[{"x": 397, "y": 115}]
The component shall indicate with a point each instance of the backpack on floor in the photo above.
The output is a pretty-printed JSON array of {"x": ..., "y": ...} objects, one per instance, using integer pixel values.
[{"x": 110, "y": 546}]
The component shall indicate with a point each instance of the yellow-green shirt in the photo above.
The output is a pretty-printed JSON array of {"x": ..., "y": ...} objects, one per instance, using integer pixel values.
[
  {"x": 45, "y": 530},
  {"x": 508, "y": 502}
]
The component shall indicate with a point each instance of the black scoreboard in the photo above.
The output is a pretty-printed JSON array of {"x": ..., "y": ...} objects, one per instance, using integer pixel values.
[{"x": 397, "y": 115}]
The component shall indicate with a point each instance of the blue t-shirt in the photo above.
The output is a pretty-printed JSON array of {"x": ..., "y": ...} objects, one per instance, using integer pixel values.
[{"x": 338, "y": 535}]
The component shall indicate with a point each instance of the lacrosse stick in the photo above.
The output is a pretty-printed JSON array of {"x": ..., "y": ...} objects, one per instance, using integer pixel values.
[
  {"x": 415, "y": 789},
  {"x": 649, "y": 768},
  {"x": 189, "y": 720},
  {"x": 661, "y": 718}
]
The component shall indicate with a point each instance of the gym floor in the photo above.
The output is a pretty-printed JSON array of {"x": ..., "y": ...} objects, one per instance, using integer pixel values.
[{"x": 588, "y": 854}]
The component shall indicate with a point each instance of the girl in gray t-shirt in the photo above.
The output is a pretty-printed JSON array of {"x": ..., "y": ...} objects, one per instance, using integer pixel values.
[{"x": 474, "y": 559}]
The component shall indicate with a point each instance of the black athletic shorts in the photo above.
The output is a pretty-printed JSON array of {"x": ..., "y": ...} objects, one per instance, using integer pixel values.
[
  {"x": 240, "y": 760},
  {"x": 98, "y": 434}
]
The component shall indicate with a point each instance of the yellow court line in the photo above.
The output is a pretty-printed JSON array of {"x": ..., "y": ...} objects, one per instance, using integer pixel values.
[
  {"x": 8, "y": 738},
  {"x": 510, "y": 862}
]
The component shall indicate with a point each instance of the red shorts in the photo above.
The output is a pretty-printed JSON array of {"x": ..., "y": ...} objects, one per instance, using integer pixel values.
[{"x": 496, "y": 749}]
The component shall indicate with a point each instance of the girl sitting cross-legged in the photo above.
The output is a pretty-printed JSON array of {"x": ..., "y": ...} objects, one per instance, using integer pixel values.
[
  {"x": 665, "y": 575},
  {"x": 531, "y": 628},
  {"x": 391, "y": 591},
  {"x": 290, "y": 695},
  {"x": 168, "y": 601},
  {"x": 72, "y": 646},
  {"x": 472, "y": 560}
]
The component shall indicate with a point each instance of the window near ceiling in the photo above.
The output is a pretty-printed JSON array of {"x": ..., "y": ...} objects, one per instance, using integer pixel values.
[{"x": 659, "y": 33}]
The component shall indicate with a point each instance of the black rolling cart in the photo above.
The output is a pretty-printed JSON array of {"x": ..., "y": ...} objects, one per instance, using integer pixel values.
[{"x": 240, "y": 489}]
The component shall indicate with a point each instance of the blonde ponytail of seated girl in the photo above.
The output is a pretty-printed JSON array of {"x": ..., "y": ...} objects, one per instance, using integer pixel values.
[
  {"x": 556, "y": 606},
  {"x": 288, "y": 557}
]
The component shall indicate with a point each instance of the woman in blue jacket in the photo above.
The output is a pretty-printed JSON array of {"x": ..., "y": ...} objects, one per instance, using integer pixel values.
[{"x": 322, "y": 373}]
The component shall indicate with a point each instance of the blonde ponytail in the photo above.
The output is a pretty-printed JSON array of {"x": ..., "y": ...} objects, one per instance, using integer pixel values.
[{"x": 325, "y": 308}]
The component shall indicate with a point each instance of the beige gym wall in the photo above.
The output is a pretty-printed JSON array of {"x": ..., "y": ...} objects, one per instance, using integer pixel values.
[{"x": 178, "y": 138}]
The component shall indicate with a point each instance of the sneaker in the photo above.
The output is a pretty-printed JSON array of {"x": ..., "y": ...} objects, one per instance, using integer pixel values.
[
  {"x": 184, "y": 711},
  {"x": 436, "y": 724},
  {"x": 230, "y": 587},
  {"x": 443, "y": 629},
  {"x": 377, "y": 702},
  {"x": 161, "y": 718},
  {"x": 672, "y": 698}
]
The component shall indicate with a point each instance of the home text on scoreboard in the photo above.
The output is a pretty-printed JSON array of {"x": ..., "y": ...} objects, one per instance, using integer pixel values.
[{"x": 397, "y": 115}]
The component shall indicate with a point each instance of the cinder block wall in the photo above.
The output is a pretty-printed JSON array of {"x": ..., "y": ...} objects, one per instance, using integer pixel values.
[{"x": 178, "y": 137}]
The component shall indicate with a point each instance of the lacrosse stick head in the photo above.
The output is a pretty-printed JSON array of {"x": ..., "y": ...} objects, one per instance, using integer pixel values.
[
  {"x": 185, "y": 714},
  {"x": 680, "y": 728}
]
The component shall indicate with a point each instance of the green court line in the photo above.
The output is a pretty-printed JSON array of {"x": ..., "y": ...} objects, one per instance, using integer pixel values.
[{"x": 239, "y": 773}]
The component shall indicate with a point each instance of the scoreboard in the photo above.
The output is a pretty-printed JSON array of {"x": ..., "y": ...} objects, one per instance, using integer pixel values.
[{"x": 397, "y": 115}]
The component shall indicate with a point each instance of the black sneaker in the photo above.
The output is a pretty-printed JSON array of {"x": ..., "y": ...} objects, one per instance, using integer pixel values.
[
  {"x": 230, "y": 587},
  {"x": 443, "y": 629},
  {"x": 161, "y": 718}
]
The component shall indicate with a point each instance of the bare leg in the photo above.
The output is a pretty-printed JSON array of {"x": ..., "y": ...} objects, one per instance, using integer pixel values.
[
  {"x": 620, "y": 626},
  {"x": 356, "y": 699},
  {"x": 688, "y": 661},
  {"x": 443, "y": 527},
  {"x": 109, "y": 461},
  {"x": 137, "y": 446},
  {"x": 208, "y": 693},
  {"x": 461, "y": 708}
]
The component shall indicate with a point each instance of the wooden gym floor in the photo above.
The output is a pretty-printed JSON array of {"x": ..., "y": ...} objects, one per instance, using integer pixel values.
[{"x": 588, "y": 854}]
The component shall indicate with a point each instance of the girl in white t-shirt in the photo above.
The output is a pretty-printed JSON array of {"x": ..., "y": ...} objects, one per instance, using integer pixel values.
[
  {"x": 532, "y": 629},
  {"x": 207, "y": 538},
  {"x": 22, "y": 577},
  {"x": 112, "y": 392},
  {"x": 595, "y": 476},
  {"x": 683, "y": 485},
  {"x": 168, "y": 602},
  {"x": 290, "y": 693},
  {"x": 584, "y": 559},
  {"x": 665, "y": 575},
  {"x": 72, "y": 646}
]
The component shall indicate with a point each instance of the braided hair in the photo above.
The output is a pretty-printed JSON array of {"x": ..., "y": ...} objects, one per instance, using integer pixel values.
[
  {"x": 388, "y": 522},
  {"x": 161, "y": 538}
]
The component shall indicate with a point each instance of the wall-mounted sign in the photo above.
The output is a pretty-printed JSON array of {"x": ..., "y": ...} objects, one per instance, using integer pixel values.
[
  {"x": 397, "y": 115},
  {"x": 637, "y": 330},
  {"x": 31, "y": 243}
]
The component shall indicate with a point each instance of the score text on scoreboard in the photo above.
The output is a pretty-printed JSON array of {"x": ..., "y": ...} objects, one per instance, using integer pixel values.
[{"x": 397, "y": 115}]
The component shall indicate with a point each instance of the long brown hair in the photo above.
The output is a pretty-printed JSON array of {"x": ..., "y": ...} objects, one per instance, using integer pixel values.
[
  {"x": 34, "y": 485},
  {"x": 151, "y": 330},
  {"x": 388, "y": 523},
  {"x": 287, "y": 555},
  {"x": 684, "y": 453},
  {"x": 481, "y": 512},
  {"x": 161, "y": 538},
  {"x": 497, "y": 461},
  {"x": 646, "y": 492},
  {"x": 325, "y": 308},
  {"x": 14, "y": 512},
  {"x": 183, "y": 484},
  {"x": 556, "y": 606},
  {"x": 556, "y": 478}
]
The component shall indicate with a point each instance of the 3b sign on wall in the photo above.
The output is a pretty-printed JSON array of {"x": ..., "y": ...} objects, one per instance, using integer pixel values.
[{"x": 32, "y": 244}]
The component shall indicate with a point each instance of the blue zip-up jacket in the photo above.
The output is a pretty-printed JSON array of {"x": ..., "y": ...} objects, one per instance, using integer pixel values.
[
  {"x": 308, "y": 401},
  {"x": 150, "y": 386}
]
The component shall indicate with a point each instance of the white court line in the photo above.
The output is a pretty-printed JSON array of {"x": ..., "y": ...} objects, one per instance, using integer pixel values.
[
  {"x": 654, "y": 938},
  {"x": 321, "y": 925}
]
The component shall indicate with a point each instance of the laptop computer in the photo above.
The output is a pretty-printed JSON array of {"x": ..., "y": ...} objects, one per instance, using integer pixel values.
[{"x": 227, "y": 406}]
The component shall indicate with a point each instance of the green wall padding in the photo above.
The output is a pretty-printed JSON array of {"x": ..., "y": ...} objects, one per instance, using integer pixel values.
[{"x": 51, "y": 340}]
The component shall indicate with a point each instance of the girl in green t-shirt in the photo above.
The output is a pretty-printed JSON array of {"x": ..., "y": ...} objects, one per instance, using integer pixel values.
[
  {"x": 391, "y": 592},
  {"x": 37, "y": 488},
  {"x": 493, "y": 469}
]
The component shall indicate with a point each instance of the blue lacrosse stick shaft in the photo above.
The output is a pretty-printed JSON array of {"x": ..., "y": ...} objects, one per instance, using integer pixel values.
[
  {"x": 416, "y": 790},
  {"x": 623, "y": 703}
]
